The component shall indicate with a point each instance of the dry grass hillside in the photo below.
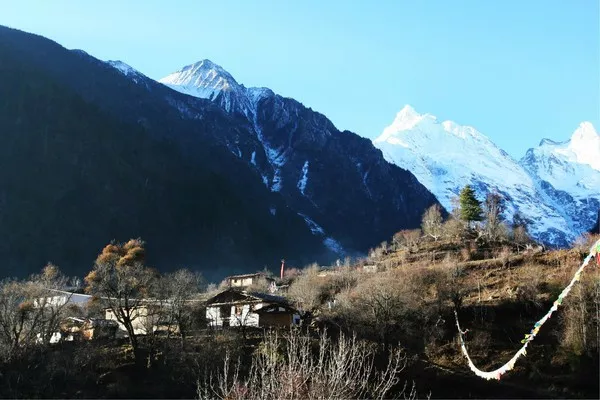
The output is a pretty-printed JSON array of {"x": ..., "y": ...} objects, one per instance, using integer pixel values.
[{"x": 406, "y": 294}]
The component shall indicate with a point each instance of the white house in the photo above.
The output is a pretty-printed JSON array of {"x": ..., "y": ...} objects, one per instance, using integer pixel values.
[
  {"x": 246, "y": 280},
  {"x": 234, "y": 307},
  {"x": 58, "y": 298}
]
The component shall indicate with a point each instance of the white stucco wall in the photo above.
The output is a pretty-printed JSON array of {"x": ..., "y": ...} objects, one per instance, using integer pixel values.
[
  {"x": 246, "y": 318},
  {"x": 140, "y": 323}
]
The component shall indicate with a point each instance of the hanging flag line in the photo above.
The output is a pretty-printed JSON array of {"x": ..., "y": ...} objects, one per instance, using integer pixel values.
[{"x": 496, "y": 374}]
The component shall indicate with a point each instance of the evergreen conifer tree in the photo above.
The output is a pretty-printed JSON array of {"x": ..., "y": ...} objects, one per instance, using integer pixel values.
[{"x": 470, "y": 207}]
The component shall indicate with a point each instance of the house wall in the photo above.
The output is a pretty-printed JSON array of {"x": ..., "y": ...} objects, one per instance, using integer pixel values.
[
  {"x": 275, "y": 320},
  {"x": 213, "y": 316},
  {"x": 141, "y": 322},
  {"x": 243, "y": 318},
  {"x": 240, "y": 282},
  {"x": 239, "y": 315}
]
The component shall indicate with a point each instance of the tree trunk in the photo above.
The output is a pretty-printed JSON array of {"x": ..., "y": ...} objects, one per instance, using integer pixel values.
[{"x": 133, "y": 342}]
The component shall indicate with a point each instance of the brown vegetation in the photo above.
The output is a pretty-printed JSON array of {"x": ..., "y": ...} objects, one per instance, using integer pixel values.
[{"x": 392, "y": 324}]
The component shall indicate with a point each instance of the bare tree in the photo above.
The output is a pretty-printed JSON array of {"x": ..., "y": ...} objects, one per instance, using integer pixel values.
[
  {"x": 51, "y": 298},
  {"x": 493, "y": 209},
  {"x": 308, "y": 290},
  {"x": 432, "y": 222},
  {"x": 261, "y": 285},
  {"x": 384, "y": 304},
  {"x": 179, "y": 288},
  {"x": 31, "y": 311},
  {"x": 407, "y": 238},
  {"x": 285, "y": 367},
  {"x": 519, "y": 227},
  {"x": 122, "y": 281},
  {"x": 453, "y": 228},
  {"x": 17, "y": 318}
]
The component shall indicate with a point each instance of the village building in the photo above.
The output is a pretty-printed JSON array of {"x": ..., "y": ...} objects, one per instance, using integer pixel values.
[
  {"x": 247, "y": 280},
  {"x": 58, "y": 298},
  {"x": 235, "y": 307},
  {"x": 75, "y": 329},
  {"x": 144, "y": 319}
]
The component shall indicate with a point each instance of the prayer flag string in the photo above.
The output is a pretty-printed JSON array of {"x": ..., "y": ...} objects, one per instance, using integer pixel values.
[{"x": 496, "y": 374}]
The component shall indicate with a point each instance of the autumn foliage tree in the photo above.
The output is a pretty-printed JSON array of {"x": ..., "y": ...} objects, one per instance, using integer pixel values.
[{"x": 122, "y": 281}]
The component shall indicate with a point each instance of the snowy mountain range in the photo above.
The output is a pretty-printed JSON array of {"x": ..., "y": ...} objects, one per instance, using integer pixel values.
[{"x": 555, "y": 187}]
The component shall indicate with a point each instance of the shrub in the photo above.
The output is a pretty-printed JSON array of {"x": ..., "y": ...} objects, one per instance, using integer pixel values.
[{"x": 286, "y": 367}]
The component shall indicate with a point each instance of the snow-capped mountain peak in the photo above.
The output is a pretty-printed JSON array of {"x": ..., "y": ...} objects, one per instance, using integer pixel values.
[
  {"x": 569, "y": 175},
  {"x": 408, "y": 118},
  {"x": 583, "y": 147},
  {"x": 585, "y": 131},
  {"x": 203, "y": 79},
  {"x": 447, "y": 156},
  {"x": 204, "y": 73}
]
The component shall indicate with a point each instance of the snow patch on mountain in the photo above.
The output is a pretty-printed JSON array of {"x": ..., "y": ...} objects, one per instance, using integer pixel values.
[
  {"x": 127, "y": 70},
  {"x": 312, "y": 225},
  {"x": 328, "y": 241},
  {"x": 334, "y": 246},
  {"x": 303, "y": 178},
  {"x": 446, "y": 156},
  {"x": 277, "y": 159}
]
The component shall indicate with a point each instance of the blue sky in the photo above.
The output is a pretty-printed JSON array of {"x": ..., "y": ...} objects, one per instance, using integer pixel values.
[{"x": 518, "y": 71}]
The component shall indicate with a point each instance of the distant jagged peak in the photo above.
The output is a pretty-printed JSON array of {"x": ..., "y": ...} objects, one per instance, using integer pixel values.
[
  {"x": 582, "y": 148},
  {"x": 124, "y": 68},
  {"x": 585, "y": 132},
  {"x": 407, "y": 118},
  {"x": 203, "y": 74},
  {"x": 463, "y": 131},
  {"x": 255, "y": 94},
  {"x": 549, "y": 142},
  {"x": 585, "y": 144}
]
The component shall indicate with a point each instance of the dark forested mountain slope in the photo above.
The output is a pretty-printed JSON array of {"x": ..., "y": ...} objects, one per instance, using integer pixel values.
[
  {"x": 93, "y": 152},
  {"x": 73, "y": 177}
]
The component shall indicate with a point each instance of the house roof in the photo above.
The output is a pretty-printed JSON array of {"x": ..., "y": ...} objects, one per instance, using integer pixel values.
[
  {"x": 71, "y": 297},
  {"x": 248, "y": 276},
  {"x": 236, "y": 296}
]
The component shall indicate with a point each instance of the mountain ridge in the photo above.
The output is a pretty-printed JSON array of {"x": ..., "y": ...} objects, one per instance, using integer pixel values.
[
  {"x": 231, "y": 193},
  {"x": 297, "y": 141},
  {"x": 445, "y": 156}
]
